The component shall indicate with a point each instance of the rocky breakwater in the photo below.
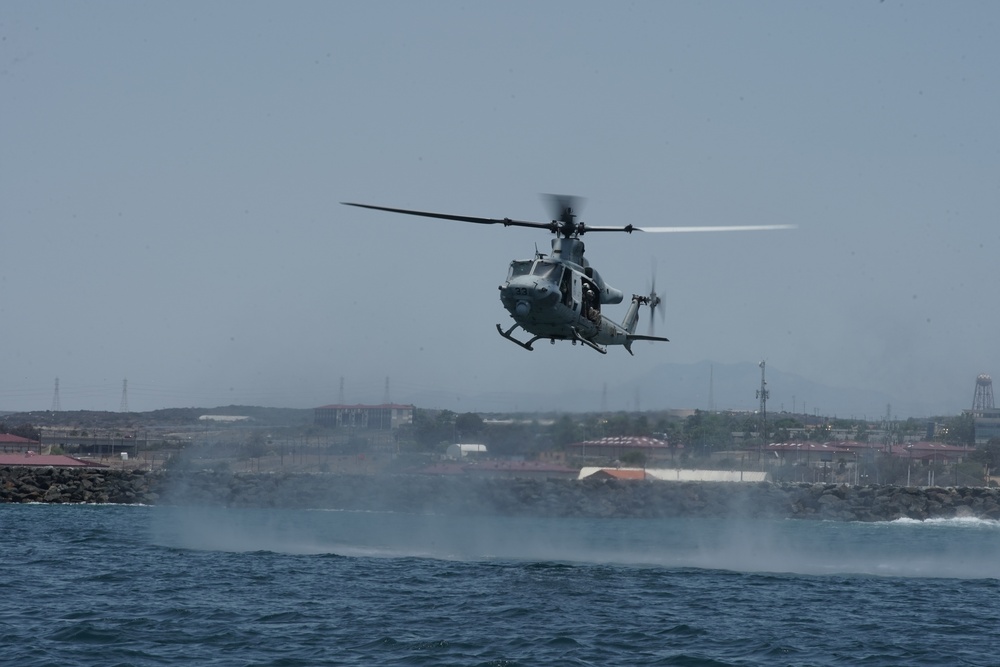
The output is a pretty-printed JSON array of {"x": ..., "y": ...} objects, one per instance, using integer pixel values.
[
  {"x": 498, "y": 496},
  {"x": 586, "y": 498},
  {"x": 49, "y": 484}
]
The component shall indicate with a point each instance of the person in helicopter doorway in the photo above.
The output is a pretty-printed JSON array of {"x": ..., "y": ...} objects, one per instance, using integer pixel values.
[{"x": 591, "y": 304}]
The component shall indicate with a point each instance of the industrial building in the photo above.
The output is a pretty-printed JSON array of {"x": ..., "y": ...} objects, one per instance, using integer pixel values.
[
  {"x": 385, "y": 417},
  {"x": 985, "y": 415}
]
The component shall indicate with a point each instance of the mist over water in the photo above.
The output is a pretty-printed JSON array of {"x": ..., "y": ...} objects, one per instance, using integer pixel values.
[
  {"x": 953, "y": 548},
  {"x": 89, "y": 586}
]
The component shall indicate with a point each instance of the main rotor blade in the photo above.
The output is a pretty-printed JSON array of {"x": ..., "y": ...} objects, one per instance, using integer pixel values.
[
  {"x": 725, "y": 228},
  {"x": 628, "y": 229},
  {"x": 506, "y": 222}
]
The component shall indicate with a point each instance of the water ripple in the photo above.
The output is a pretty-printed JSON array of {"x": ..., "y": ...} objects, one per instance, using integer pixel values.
[{"x": 113, "y": 586}]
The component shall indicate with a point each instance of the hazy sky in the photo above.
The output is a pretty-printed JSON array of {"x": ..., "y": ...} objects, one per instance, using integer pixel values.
[{"x": 170, "y": 179}]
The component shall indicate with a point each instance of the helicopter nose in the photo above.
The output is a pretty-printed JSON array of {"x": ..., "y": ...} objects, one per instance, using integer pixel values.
[{"x": 522, "y": 308}]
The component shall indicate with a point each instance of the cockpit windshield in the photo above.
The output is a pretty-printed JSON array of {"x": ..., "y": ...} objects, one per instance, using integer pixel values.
[
  {"x": 519, "y": 268},
  {"x": 547, "y": 270}
]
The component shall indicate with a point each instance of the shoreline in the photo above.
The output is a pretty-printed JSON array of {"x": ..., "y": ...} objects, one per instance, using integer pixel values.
[{"x": 496, "y": 496}]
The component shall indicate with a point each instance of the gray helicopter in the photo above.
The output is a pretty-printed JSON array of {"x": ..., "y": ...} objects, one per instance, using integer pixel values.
[{"x": 560, "y": 296}]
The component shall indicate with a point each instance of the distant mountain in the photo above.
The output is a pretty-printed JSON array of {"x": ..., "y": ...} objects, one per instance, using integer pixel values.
[
  {"x": 692, "y": 386},
  {"x": 735, "y": 386}
]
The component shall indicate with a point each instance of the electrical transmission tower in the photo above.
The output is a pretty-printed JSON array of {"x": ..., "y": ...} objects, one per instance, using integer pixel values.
[
  {"x": 56, "y": 407},
  {"x": 124, "y": 406},
  {"x": 983, "y": 399}
]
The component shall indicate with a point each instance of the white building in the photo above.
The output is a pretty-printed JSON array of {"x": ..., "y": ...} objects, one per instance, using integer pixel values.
[{"x": 461, "y": 451}]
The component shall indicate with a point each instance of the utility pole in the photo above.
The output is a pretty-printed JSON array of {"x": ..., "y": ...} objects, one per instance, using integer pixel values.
[
  {"x": 711, "y": 388},
  {"x": 762, "y": 394}
]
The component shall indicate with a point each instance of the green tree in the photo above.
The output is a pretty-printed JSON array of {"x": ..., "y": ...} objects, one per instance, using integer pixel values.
[
  {"x": 960, "y": 430},
  {"x": 634, "y": 459},
  {"x": 705, "y": 432},
  {"x": 565, "y": 431},
  {"x": 512, "y": 439},
  {"x": 618, "y": 424},
  {"x": 256, "y": 446},
  {"x": 468, "y": 425},
  {"x": 24, "y": 430},
  {"x": 988, "y": 455},
  {"x": 432, "y": 428}
]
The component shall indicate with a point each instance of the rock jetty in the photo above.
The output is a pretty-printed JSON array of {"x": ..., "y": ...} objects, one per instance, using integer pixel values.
[{"x": 497, "y": 496}]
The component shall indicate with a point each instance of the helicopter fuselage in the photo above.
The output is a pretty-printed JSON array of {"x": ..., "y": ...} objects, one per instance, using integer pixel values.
[{"x": 560, "y": 299}]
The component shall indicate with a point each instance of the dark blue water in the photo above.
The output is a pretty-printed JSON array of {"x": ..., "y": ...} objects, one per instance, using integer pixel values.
[{"x": 114, "y": 585}]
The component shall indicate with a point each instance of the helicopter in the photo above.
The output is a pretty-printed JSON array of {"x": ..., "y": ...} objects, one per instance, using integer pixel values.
[{"x": 560, "y": 296}]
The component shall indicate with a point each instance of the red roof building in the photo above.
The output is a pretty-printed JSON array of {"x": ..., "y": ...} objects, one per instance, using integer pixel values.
[
  {"x": 615, "y": 447},
  {"x": 15, "y": 443},
  {"x": 34, "y": 460}
]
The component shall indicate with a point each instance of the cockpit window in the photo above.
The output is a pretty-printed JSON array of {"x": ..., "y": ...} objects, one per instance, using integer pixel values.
[
  {"x": 519, "y": 268},
  {"x": 547, "y": 270}
]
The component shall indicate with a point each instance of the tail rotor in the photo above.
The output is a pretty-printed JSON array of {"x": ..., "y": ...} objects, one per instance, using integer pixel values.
[{"x": 654, "y": 299}]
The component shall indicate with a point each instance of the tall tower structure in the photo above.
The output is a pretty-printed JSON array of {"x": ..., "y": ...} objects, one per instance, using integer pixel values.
[
  {"x": 763, "y": 395},
  {"x": 340, "y": 396},
  {"x": 711, "y": 388},
  {"x": 983, "y": 398},
  {"x": 124, "y": 405},
  {"x": 56, "y": 407},
  {"x": 385, "y": 396}
]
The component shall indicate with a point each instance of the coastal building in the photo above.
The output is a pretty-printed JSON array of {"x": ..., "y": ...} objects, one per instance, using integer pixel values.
[
  {"x": 987, "y": 425},
  {"x": 30, "y": 459},
  {"x": 673, "y": 475},
  {"x": 460, "y": 451},
  {"x": 385, "y": 417},
  {"x": 15, "y": 443},
  {"x": 615, "y": 447},
  {"x": 820, "y": 454},
  {"x": 811, "y": 453}
]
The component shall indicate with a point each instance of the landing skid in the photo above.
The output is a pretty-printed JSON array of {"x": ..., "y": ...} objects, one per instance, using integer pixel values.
[
  {"x": 508, "y": 336},
  {"x": 589, "y": 343}
]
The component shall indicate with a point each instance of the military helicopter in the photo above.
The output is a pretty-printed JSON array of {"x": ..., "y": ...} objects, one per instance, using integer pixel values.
[{"x": 559, "y": 296}]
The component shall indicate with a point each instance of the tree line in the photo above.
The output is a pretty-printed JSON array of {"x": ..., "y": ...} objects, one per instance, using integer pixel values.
[{"x": 700, "y": 433}]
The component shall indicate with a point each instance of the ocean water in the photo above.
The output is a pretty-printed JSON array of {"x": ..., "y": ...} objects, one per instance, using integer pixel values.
[{"x": 134, "y": 585}]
